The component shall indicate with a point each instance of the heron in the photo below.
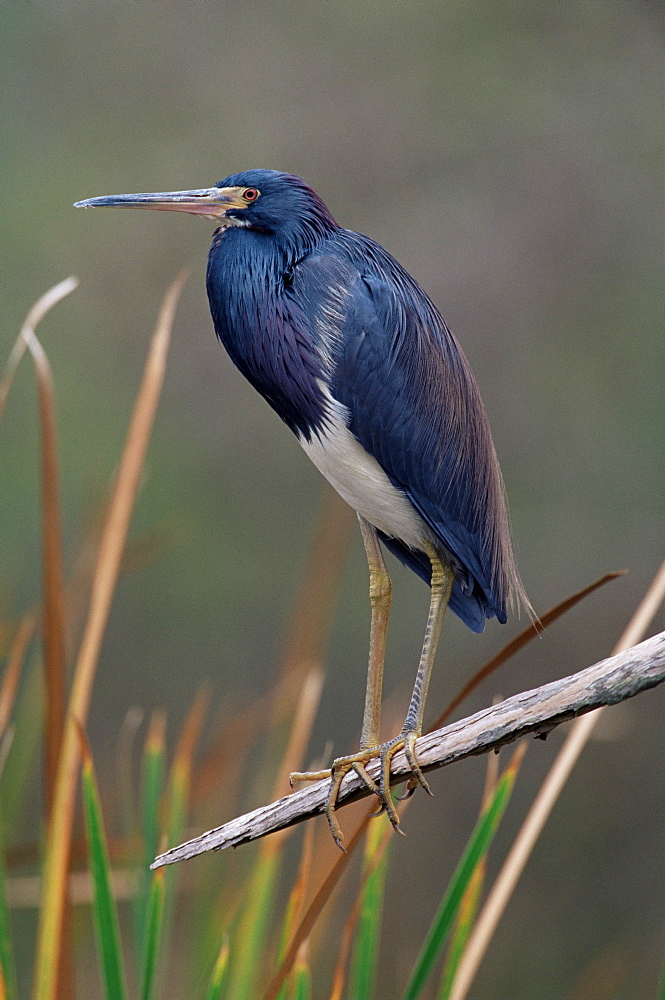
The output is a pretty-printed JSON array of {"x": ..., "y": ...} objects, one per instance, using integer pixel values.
[{"x": 356, "y": 359}]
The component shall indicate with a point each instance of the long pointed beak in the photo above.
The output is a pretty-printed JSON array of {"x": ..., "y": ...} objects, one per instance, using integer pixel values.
[{"x": 213, "y": 203}]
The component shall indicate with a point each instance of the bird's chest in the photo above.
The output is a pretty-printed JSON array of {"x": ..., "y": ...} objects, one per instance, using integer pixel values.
[
  {"x": 285, "y": 331},
  {"x": 268, "y": 339},
  {"x": 360, "y": 480}
]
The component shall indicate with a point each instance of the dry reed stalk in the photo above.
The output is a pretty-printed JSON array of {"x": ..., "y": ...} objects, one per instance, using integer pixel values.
[
  {"x": 56, "y": 864},
  {"x": 53, "y": 617},
  {"x": 549, "y": 792},
  {"x": 41, "y": 307},
  {"x": 53, "y": 608},
  {"x": 191, "y": 730},
  {"x": 308, "y": 704},
  {"x": 12, "y": 674},
  {"x": 53, "y": 624}
]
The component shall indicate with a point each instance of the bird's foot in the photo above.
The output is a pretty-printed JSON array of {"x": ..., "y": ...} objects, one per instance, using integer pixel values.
[
  {"x": 357, "y": 762},
  {"x": 339, "y": 770}
]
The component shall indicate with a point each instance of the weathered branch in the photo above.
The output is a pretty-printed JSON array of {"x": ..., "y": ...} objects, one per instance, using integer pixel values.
[{"x": 537, "y": 711}]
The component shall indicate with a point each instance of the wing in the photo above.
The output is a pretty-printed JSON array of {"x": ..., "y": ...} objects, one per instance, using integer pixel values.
[{"x": 413, "y": 404}]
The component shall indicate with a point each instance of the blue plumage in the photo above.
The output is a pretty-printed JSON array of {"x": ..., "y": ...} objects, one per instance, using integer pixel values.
[{"x": 301, "y": 304}]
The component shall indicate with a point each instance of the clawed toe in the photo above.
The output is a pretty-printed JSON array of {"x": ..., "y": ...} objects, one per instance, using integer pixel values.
[
  {"x": 410, "y": 753},
  {"x": 297, "y": 776},
  {"x": 368, "y": 781},
  {"x": 358, "y": 764}
]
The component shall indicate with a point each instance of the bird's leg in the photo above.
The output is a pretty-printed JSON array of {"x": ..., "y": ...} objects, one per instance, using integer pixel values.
[
  {"x": 442, "y": 581},
  {"x": 380, "y": 594}
]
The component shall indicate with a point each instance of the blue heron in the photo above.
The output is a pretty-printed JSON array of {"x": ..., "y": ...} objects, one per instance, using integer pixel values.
[{"x": 358, "y": 362}]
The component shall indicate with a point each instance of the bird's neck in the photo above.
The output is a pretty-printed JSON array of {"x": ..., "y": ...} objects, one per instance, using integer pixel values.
[{"x": 262, "y": 327}]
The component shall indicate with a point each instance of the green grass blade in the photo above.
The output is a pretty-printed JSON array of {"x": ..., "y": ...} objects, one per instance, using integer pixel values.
[
  {"x": 152, "y": 784},
  {"x": 294, "y": 906},
  {"x": 368, "y": 931},
  {"x": 106, "y": 915},
  {"x": 466, "y": 916},
  {"x": 219, "y": 974},
  {"x": 302, "y": 982},
  {"x": 9, "y": 990},
  {"x": 286, "y": 933},
  {"x": 152, "y": 934},
  {"x": 445, "y": 917},
  {"x": 152, "y": 781},
  {"x": 124, "y": 773},
  {"x": 176, "y": 802},
  {"x": 179, "y": 789},
  {"x": 249, "y": 940},
  {"x": 18, "y": 773}
]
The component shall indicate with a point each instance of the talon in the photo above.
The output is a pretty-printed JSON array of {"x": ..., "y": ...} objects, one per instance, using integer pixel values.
[
  {"x": 410, "y": 754},
  {"x": 388, "y": 751},
  {"x": 408, "y": 791},
  {"x": 336, "y": 830},
  {"x": 357, "y": 763},
  {"x": 379, "y": 812}
]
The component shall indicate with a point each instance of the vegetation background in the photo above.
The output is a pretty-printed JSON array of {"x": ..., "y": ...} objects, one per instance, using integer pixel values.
[{"x": 507, "y": 154}]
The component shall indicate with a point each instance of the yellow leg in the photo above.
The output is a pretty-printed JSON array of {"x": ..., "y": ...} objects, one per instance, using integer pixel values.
[
  {"x": 380, "y": 598},
  {"x": 442, "y": 582},
  {"x": 380, "y": 591}
]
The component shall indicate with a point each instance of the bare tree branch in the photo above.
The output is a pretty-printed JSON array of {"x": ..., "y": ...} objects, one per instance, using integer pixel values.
[{"x": 537, "y": 711}]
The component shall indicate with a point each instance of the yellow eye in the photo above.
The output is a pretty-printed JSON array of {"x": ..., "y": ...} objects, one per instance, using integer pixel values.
[{"x": 250, "y": 194}]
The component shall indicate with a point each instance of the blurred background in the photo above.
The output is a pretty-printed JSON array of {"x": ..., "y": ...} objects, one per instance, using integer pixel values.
[{"x": 508, "y": 155}]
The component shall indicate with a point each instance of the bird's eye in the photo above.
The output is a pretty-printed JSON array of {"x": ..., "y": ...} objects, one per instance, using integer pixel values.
[{"x": 250, "y": 194}]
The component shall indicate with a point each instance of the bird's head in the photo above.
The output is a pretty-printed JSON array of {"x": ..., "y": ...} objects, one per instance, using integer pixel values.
[{"x": 265, "y": 201}]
